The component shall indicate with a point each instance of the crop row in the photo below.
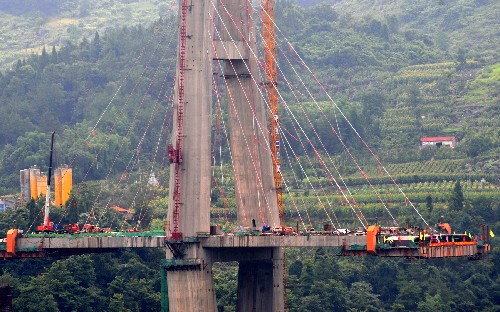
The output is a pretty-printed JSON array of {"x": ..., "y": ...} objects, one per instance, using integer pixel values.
[
  {"x": 391, "y": 196},
  {"x": 427, "y": 187},
  {"x": 403, "y": 179},
  {"x": 431, "y": 66},
  {"x": 435, "y": 166},
  {"x": 324, "y": 206},
  {"x": 394, "y": 198}
]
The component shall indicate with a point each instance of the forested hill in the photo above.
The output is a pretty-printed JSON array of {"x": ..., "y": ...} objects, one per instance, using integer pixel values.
[
  {"x": 453, "y": 24},
  {"x": 26, "y": 26},
  {"x": 403, "y": 71},
  {"x": 67, "y": 90},
  {"x": 399, "y": 70},
  {"x": 396, "y": 77}
]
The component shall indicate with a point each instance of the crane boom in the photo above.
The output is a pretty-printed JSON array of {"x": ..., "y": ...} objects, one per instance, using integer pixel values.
[
  {"x": 46, "y": 218},
  {"x": 46, "y": 225}
]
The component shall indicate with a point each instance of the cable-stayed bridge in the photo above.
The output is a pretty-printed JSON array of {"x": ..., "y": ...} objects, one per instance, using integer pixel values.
[{"x": 221, "y": 37}]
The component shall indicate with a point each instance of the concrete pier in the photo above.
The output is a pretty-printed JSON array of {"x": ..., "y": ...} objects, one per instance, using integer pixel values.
[{"x": 191, "y": 290}]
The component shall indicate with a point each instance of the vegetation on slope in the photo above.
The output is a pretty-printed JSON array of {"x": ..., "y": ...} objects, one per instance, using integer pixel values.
[
  {"x": 29, "y": 26},
  {"x": 398, "y": 69}
]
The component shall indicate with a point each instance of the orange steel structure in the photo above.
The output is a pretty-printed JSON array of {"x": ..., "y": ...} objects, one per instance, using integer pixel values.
[
  {"x": 63, "y": 180},
  {"x": 34, "y": 184},
  {"x": 271, "y": 83},
  {"x": 38, "y": 183}
]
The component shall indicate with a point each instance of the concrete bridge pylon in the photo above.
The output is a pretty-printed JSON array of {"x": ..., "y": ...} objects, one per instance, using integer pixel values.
[{"x": 188, "y": 264}]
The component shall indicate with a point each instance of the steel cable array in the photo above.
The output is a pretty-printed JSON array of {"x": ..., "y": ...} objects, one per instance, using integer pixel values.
[{"x": 289, "y": 176}]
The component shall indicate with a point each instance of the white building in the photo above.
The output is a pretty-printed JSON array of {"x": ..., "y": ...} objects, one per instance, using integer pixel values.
[{"x": 450, "y": 141}]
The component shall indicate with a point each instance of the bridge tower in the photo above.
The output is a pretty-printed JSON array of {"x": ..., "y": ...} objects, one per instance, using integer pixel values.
[{"x": 189, "y": 266}]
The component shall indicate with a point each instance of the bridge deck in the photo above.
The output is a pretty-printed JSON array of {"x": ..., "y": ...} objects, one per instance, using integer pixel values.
[
  {"x": 90, "y": 242},
  {"x": 345, "y": 245},
  {"x": 229, "y": 241}
]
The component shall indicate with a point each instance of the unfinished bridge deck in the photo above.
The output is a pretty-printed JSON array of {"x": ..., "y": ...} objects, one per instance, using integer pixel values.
[{"x": 40, "y": 246}]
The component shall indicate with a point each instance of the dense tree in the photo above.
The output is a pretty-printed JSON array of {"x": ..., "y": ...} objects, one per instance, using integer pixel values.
[
  {"x": 457, "y": 197},
  {"x": 476, "y": 144},
  {"x": 361, "y": 298},
  {"x": 53, "y": 55},
  {"x": 428, "y": 203},
  {"x": 69, "y": 285},
  {"x": 117, "y": 304}
]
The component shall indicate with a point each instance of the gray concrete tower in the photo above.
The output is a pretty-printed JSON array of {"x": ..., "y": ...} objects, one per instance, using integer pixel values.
[
  {"x": 191, "y": 287},
  {"x": 189, "y": 266},
  {"x": 236, "y": 46}
]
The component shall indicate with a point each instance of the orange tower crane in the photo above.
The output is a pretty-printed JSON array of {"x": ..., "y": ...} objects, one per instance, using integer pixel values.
[{"x": 271, "y": 83}]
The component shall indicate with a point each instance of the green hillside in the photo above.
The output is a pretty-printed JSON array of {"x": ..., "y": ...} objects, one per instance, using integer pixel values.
[
  {"x": 453, "y": 25},
  {"x": 399, "y": 70},
  {"x": 28, "y": 26},
  {"x": 394, "y": 81}
]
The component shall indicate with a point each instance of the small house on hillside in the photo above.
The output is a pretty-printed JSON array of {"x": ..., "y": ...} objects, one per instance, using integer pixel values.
[{"x": 450, "y": 141}]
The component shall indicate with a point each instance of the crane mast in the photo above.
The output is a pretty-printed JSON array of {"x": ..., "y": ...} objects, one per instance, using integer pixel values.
[
  {"x": 46, "y": 226},
  {"x": 46, "y": 218},
  {"x": 271, "y": 83}
]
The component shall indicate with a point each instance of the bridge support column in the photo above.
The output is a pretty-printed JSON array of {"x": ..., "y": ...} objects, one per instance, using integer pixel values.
[
  {"x": 191, "y": 288},
  {"x": 260, "y": 284}
]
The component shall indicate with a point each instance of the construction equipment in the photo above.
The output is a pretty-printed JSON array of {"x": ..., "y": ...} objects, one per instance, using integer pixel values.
[
  {"x": 73, "y": 228},
  {"x": 48, "y": 226},
  {"x": 444, "y": 227},
  {"x": 271, "y": 82},
  {"x": 270, "y": 69}
]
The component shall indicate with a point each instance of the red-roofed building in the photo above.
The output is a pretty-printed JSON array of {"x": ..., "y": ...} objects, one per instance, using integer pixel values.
[{"x": 450, "y": 141}]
